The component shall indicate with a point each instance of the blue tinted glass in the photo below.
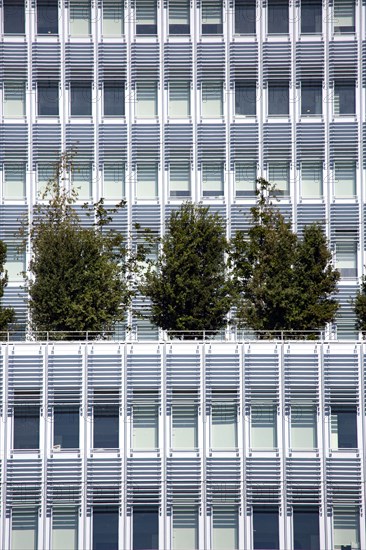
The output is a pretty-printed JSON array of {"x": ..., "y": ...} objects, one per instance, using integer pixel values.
[
  {"x": 105, "y": 529},
  {"x": 66, "y": 427},
  {"x": 26, "y": 427},
  {"x": 265, "y": 529},
  {"x": 106, "y": 430},
  {"x": 14, "y": 17},
  {"x": 145, "y": 528},
  {"x": 306, "y": 529}
]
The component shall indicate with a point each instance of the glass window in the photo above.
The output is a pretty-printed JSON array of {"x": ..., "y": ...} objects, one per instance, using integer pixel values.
[
  {"x": 184, "y": 426},
  {"x": 145, "y": 424},
  {"x": 114, "y": 99},
  {"x": 114, "y": 180},
  {"x": 81, "y": 104},
  {"x": 346, "y": 253},
  {"x": 211, "y": 16},
  {"x": 48, "y": 96},
  {"x": 179, "y": 17},
  {"x": 82, "y": 180},
  {"x": 146, "y": 100},
  {"x": 223, "y": 425},
  {"x": 14, "y": 16},
  {"x": 105, "y": 528},
  {"x": 278, "y": 98},
  {"x": 343, "y": 424},
  {"x": 24, "y": 529},
  {"x": 14, "y": 181},
  {"x": 225, "y": 528},
  {"x": 80, "y": 17},
  {"x": 344, "y": 16},
  {"x": 15, "y": 262},
  {"x": 265, "y": 529},
  {"x": 212, "y": 99},
  {"x": 245, "y": 16},
  {"x": 306, "y": 528},
  {"x": 106, "y": 427},
  {"x": 279, "y": 175},
  {"x": 245, "y": 179},
  {"x": 311, "y": 16},
  {"x": 145, "y": 528},
  {"x": 64, "y": 529},
  {"x": 147, "y": 180},
  {"x": 179, "y": 99},
  {"x": 264, "y": 427},
  {"x": 278, "y": 17},
  {"x": 47, "y": 17},
  {"x": 146, "y": 17},
  {"x": 180, "y": 179},
  {"x": 344, "y": 98},
  {"x": 185, "y": 528},
  {"x": 212, "y": 179},
  {"x": 113, "y": 18},
  {"x": 45, "y": 176},
  {"x": 346, "y": 529},
  {"x": 14, "y": 99},
  {"x": 311, "y": 98},
  {"x": 345, "y": 179},
  {"x": 311, "y": 179},
  {"x": 303, "y": 427},
  {"x": 245, "y": 98},
  {"x": 66, "y": 427},
  {"x": 26, "y": 427}
]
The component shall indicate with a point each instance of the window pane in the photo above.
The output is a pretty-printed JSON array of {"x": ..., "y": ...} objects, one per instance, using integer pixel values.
[
  {"x": 66, "y": 427},
  {"x": 14, "y": 181},
  {"x": 311, "y": 16},
  {"x": 14, "y": 99},
  {"x": 344, "y": 16},
  {"x": 64, "y": 529},
  {"x": 344, "y": 428},
  {"x": 80, "y": 16},
  {"x": 277, "y": 17},
  {"x": 185, "y": 528},
  {"x": 106, "y": 427},
  {"x": 245, "y": 99},
  {"x": 24, "y": 529},
  {"x": 211, "y": 99},
  {"x": 146, "y": 17},
  {"x": 311, "y": 98},
  {"x": 225, "y": 528},
  {"x": 346, "y": 525},
  {"x": 211, "y": 16},
  {"x": 346, "y": 254},
  {"x": 105, "y": 528},
  {"x": 245, "y": 16},
  {"x": 114, "y": 180},
  {"x": 82, "y": 180},
  {"x": 180, "y": 179},
  {"x": 306, "y": 529},
  {"x": 48, "y": 96},
  {"x": 145, "y": 528},
  {"x": 311, "y": 179},
  {"x": 113, "y": 18},
  {"x": 345, "y": 179},
  {"x": 145, "y": 426},
  {"x": 265, "y": 529},
  {"x": 179, "y": 99},
  {"x": 184, "y": 424},
  {"x": 114, "y": 99},
  {"x": 245, "y": 179},
  {"x": 14, "y": 17},
  {"x": 47, "y": 17},
  {"x": 146, "y": 100},
  {"x": 212, "y": 180},
  {"x": 224, "y": 425},
  {"x": 179, "y": 17},
  {"x": 147, "y": 181},
  {"x": 26, "y": 427},
  {"x": 81, "y": 104},
  {"x": 344, "y": 98},
  {"x": 278, "y": 99},
  {"x": 45, "y": 175},
  {"x": 264, "y": 429},
  {"x": 15, "y": 263},
  {"x": 279, "y": 175},
  {"x": 303, "y": 427}
]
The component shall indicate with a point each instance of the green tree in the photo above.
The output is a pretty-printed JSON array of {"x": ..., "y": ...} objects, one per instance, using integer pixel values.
[
  {"x": 360, "y": 307},
  {"x": 189, "y": 286},
  {"x": 282, "y": 282},
  {"x": 7, "y": 315},
  {"x": 80, "y": 276}
]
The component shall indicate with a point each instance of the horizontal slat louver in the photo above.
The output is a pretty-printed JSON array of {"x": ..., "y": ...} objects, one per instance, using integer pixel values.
[
  {"x": 346, "y": 318},
  {"x": 112, "y": 143},
  {"x": 263, "y": 476},
  {"x": 307, "y": 214},
  {"x": 303, "y": 481},
  {"x": 143, "y": 377},
  {"x": 222, "y": 374},
  {"x": 64, "y": 481},
  {"x": 64, "y": 379},
  {"x": 79, "y": 63},
  {"x": 243, "y": 143},
  {"x": 112, "y": 62},
  {"x": 13, "y": 143},
  {"x": 243, "y": 62},
  {"x": 211, "y": 142},
  {"x": 277, "y": 142},
  {"x": 343, "y": 141},
  {"x": 343, "y": 60},
  {"x": 104, "y": 481},
  {"x": 147, "y": 217},
  {"x": 80, "y": 138},
  {"x": 301, "y": 377},
  {"x": 261, "y": 377},
  {"x": 276, "y": 61},
  {"x": 343, "y": 485},
  {"x": 309, "y": 61},
  {"x": 184, "y": 479},
  {"x": 23, "y": 482},
  {"x": 223, "y": 481},
  {"x": 310, "y": 141},
  {"x": 46, "y": 62},
  {"x": 145, "y": 143},
  {"x": 344, "y": 221},
  {"x": 210, "y": 62},
  {"x": 183, "y": 378},
  {"x": 46, "y": 143},
  {"x": 25, "y": 373},
  {"x": 177, "y": 62},
  {"x": 240, "y": 218},
  {"x": 145, "y": 62},
  {"x": 341, "y": 378},
  {"x": 178, "y": 142},
  {"x": 13, "y": 62},
  {"x": 104, "y": 378},
  {"x": 143, "y": 481}
]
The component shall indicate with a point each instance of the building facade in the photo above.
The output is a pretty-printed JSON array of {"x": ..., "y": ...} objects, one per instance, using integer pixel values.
[{"x": 171, "y": 100}]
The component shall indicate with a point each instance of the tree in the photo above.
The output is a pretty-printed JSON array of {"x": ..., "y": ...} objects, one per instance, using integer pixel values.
[
  {"x": 189, "y": 286},
  {"x": 282, "y": 282},
  {"x": 7, "y": 315},
  {"x": 360, "y": 307},
  {"x": 80, "y": 276}
]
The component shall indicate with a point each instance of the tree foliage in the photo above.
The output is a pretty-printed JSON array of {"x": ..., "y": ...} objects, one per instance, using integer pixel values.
[
  {"x": 80, "y": 276},
  {"x": 282, "y": 282},
  {"x": 189, "y": 286},
  {"x": 360, "y": 307},
  {"x": 7, "y": 315}
]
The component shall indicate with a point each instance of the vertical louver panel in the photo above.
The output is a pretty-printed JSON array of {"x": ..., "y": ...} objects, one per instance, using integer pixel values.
[
  {"x": 145, "y": 143},
  {"x": 104, "y": 378},
  {"x": 343, "y": 141},
  {"x": 184, "y": 479},
  {"x": 23, "y": 482},
  {"x": 64, "y": 378},
  {"x": 276, "y": 61},
  {"x": 143, "y": 481},
  {"x": 303, "y": 481},
  {"x": 243, "y": 62},
  {"x": 46, "y": 142},
  {"x": 341, "y": 377},
  {"x": 223, "y": 481},
  {"x": 308, "y": 214},
  {"x": 178, "y": 142},
  {"x": 343, "y": 481},
  {"x": 177, "y": 62},
  {"x": 145, "y": 62},
  {"x": 301, "y": 376},
  {"x": 13, "y": 61},
  {"x": 210, "y": 62},
  {"x": 112, "y": 62},
  {"x": 277, "y": 142},
  {"x": 343, "y": 60},
  {"x": 243, "y": 143},
  {"x": 309, "y": 61},
  {"x": 112, "y": 143},
  {"x": 80, "y": 138},
  {"x": 25, "y": 378},
  {"x": 261, "y": 376},
  {"x": 211, "y": 140},
  {"x": 79, "y": 62},
  {"x": 263, "y": 477},
  {"x": 63, "y": 481},
  {"x": 13, "y": 143},
  {"x": 104, "y": 481},
  {"x": 310, "y": 141},
  {"x": 46, "y": 62}
]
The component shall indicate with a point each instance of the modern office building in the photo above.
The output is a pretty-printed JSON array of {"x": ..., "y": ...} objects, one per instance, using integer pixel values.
[{"x": 171, "y": 100}]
